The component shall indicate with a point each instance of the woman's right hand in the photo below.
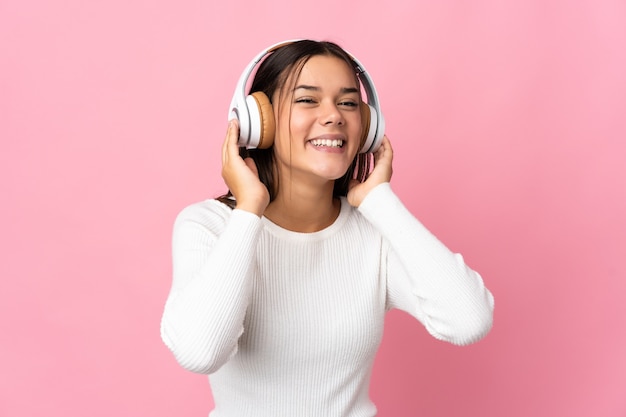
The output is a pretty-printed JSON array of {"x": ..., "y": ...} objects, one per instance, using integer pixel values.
[{"x": 241, "y": 176}]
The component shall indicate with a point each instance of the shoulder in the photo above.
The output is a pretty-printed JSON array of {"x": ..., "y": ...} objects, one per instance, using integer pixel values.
[
  {"x": 354, "y": 220},
  {"x": 208, "y": 214}
]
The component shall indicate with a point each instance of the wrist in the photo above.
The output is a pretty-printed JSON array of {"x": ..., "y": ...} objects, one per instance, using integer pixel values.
[{"x": 254, "y": 207}]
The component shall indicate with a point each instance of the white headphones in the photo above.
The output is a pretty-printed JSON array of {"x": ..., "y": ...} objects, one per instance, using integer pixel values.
[{"x": 256, "y": 116}]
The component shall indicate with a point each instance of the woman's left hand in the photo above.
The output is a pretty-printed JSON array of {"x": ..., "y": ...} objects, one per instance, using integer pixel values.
[{"x": 381, "y": 173}]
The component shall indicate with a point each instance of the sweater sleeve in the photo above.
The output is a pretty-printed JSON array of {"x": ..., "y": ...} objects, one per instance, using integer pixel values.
[
  {"x": 213, "y": 255},
  {"x": 426, "y": 279}
]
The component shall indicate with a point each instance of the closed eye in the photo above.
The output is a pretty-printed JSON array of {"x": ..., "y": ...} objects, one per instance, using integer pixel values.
[{"x": 306, "y": 100}]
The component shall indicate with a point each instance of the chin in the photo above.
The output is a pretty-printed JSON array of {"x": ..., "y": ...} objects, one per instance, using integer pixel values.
[
  {"x": 332, "y": 171},
  {"x": 333, "y": 176}
]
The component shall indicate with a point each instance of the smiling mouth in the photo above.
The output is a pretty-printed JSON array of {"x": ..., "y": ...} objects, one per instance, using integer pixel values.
[{"x": 329, "y": 143}]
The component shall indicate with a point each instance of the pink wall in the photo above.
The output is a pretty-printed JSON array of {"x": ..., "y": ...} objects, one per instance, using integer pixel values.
[{"x": 509, "y": 124}]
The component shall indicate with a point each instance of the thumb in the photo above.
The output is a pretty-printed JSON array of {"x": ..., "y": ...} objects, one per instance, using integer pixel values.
[
  {"x": 353, "y": 183},
  {"x": 252, "y": 165}
]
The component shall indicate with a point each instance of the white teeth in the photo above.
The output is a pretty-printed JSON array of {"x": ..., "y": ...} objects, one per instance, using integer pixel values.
[{"x": 331, "y": 143}]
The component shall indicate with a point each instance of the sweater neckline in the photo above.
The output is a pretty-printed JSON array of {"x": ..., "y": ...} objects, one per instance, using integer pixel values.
[{"x": 281, "y": 232}]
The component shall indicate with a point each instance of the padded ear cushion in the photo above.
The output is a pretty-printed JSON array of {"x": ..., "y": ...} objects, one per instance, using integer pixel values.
[
  {"x": 365, "y": 122},
  {"x": 268, "y": 125}
]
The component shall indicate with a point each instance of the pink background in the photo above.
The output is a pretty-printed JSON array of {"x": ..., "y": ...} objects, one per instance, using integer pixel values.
[{"x": 509, "y": 125}]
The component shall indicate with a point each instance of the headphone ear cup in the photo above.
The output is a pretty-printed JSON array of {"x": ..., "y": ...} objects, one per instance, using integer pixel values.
[
  {"x": 262, "y": 120},
  {"x": 365, "y": 123},
  {"x": 373, "y": 127}
]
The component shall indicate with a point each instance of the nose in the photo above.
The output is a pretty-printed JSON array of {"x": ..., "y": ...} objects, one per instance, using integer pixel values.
[{"x": 331, "y": 115}]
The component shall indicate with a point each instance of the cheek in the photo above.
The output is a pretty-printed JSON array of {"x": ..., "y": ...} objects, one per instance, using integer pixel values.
[
  {"x": 297, "y": 124},
  {"x": 281, "y": 135},
  {"x": 289, "y": 131}
]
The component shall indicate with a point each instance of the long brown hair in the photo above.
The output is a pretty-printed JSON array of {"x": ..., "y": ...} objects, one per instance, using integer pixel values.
[{"x": 270, "y": 77}]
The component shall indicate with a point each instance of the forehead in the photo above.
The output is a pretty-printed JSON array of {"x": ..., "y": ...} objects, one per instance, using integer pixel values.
[{"x": 321, "y": 70}]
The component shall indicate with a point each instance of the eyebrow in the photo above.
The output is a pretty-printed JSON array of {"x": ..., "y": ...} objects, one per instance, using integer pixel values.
[{"x": 344, "y": 90}]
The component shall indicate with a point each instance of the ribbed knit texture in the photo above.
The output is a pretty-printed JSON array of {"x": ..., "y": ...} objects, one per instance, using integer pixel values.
[{"x": 288, "y": 324}]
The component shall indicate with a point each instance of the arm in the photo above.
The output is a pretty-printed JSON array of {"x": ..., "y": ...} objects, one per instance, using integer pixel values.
[
  {"x": 426, "y": 279},
  {"x": 213, "y": 261}
]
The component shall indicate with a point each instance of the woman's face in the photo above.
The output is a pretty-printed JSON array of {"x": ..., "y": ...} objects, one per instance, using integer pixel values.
[{"x": 318, "y": 120}]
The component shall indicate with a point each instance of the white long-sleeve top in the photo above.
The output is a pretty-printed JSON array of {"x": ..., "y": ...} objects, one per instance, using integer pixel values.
[{"x": 288, "y": 324}]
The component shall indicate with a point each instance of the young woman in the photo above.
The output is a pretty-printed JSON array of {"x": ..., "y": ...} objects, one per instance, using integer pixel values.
[{"x": 280, "y": 287}]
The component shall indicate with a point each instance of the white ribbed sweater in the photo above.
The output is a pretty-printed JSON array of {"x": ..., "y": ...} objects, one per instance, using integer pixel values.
[{"x": 288, "y": 323}]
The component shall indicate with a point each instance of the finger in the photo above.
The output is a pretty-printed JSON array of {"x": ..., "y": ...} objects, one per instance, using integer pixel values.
[
  {"x": 252, "y": 165},
  {"x": 388, "y": 146},
  {"x": 225, "y": 143},
  {"x": 380, "y": 151},
  {"x": 230, "y": 142},
  {"x": 385, "y": 150}
]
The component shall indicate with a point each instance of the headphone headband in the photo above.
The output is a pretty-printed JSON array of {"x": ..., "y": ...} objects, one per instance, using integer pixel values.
[{"x": 247, "y": 114}]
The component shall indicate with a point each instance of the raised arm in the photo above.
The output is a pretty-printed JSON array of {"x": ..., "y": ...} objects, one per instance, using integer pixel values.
[
  {"x": 425, "y": 278},
  {"x": 213, "y": 259}
]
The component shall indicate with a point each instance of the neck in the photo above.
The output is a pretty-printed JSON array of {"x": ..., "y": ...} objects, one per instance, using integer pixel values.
[{"x": 304, "y": 209}]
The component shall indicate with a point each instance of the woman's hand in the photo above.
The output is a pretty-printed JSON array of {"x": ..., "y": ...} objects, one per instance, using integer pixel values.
[
  {"x": 241, "y": 176},
  {"x": 381, "y": 173}
]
